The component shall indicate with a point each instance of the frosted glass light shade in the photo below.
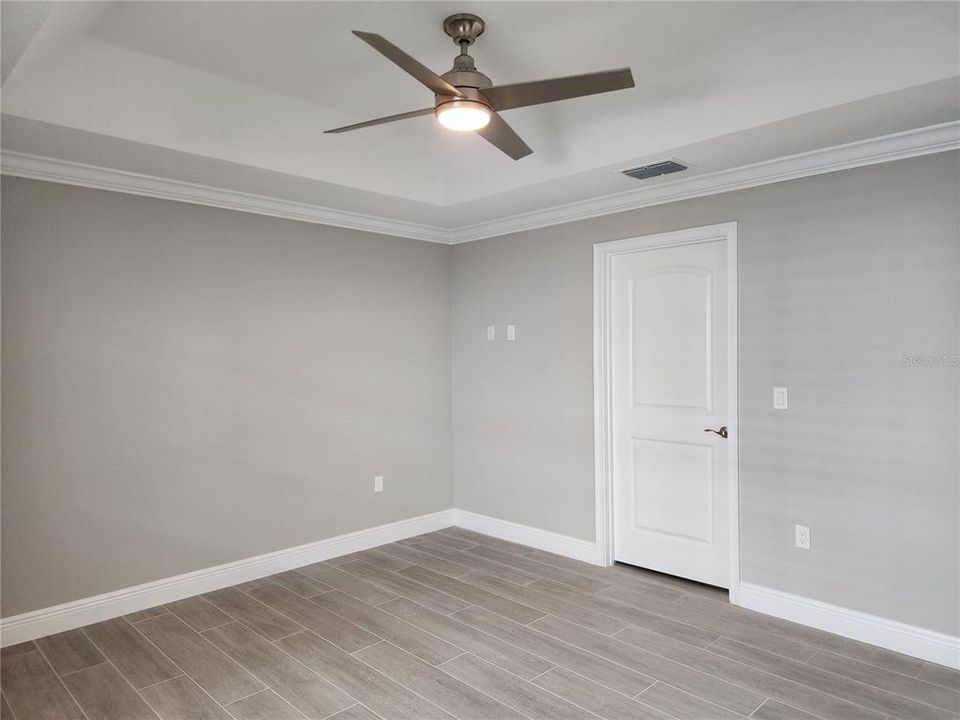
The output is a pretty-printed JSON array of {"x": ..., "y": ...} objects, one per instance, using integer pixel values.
[{"x": 463, "y": 115}]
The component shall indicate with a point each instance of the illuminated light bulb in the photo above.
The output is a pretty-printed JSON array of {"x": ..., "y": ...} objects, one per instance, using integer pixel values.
[{"x": 463, "y": 115}]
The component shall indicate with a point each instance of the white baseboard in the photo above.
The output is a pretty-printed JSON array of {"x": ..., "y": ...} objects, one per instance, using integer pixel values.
[
  {"x": 908, "y": 639},
  {"x": 911, "y": 640},
  {"x": 525, "y": 535},
  {"x": 39, "y": 623}
]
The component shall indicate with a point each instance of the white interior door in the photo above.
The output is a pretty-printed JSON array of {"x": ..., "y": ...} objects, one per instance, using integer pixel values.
[{"x": 668, "y": 347}]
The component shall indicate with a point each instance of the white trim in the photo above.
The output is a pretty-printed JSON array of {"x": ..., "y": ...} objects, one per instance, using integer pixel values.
[
  {"x": 733, "y": 410},
  {"x": 915, "y": 641},
  {"x": 39, "y": 623},
  {"x": 897, "y": 146},
  {"x": 525, "y": 535},
  {"x": 36, "y": 167},
  {"x": 603, "y": 254},
  {"x": 911, "y": 640}
]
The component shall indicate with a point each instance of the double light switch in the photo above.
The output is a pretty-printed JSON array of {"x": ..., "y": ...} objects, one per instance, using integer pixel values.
[{"x": 492, "y": 333}]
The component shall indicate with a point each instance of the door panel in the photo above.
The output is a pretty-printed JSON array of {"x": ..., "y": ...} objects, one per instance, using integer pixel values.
[
  {"x": 673, "y": 489},
  {"x": 671, "y": 351},
  {"x": 669, "y": 382}
]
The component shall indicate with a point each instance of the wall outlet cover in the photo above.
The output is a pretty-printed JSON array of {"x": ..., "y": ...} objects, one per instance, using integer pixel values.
[
  {"x": 802, "y": 537},
  {"x": 511, "y": 332},
  {"x": 491, "y": 332},
  {"x": 779, "y": 398}
]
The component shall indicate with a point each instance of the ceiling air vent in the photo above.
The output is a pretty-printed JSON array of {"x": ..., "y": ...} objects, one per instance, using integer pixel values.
[{"x": 655, "y": 169}]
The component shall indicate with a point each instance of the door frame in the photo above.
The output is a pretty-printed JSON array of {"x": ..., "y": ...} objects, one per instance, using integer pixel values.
[{"x": 603, "y": 254}]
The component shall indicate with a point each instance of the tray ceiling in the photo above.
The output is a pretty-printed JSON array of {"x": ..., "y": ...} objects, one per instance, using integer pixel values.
[{"x": 255, "y": 83}]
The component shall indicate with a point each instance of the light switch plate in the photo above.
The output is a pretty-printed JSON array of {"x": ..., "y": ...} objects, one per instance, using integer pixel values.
[
  {"x": 491, "y": 332},
  {"x": 378, "y": 483},
  {"x": 779, "y": 398},
  {"x": 511, "y": 332}
]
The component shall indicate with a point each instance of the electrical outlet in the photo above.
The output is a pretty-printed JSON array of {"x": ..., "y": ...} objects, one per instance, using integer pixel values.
[
  {"x": 802, "y": 537},
  {"x": 491, "y": 332},
  {"x": 378, "y": 483}
]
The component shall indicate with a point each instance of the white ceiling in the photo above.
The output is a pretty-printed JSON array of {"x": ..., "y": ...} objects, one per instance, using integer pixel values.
[{"x": 255, "y": 83}]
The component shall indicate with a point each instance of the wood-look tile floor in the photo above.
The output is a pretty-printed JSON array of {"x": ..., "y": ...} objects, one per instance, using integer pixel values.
[{"x": 454, "y": 624}]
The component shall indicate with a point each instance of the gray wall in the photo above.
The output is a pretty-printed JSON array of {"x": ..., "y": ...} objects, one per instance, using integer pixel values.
[
  {"x": 841, "y": 276},
  {"x": 185, "y": 386}
]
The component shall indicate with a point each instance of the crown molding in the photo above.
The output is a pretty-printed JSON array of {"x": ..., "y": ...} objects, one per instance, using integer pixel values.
[
  {"x": 37, "y": 167},
  {"x": 887, "y": 148}
]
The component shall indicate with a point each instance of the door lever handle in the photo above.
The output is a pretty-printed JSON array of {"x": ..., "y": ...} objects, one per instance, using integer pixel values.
[{"x": 722, "y": 432}]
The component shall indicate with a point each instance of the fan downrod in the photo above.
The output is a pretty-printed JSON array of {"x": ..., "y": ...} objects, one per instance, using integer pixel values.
[{"x": 464, "y": 28}]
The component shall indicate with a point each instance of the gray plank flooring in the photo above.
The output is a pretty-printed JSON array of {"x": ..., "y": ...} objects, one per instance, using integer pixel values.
[
  {"x": 102, "y": 693},
  {"x": 458, "y": 625},
  {"x": 253, "y": 613},
  {"x": 264, "y": 705},
  {"x": 222, "y": 678},
  {"x": 181, "y": 697},
  {"x": 137, "y": 659},
  {"x": 389, "y": 627},
  {"x": 198, "y": 613},
  {"x": 410, "y": 589},
  {"x": 69, "y": 651},
  {"x": 439, "y": 687}
]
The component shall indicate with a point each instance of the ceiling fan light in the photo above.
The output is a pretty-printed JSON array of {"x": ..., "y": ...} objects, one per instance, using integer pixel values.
[{"x": 463, "y": 115}]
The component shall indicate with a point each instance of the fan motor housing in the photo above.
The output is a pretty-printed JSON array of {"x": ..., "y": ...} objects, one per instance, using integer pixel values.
[
  {"x": 465, "y": 74},
  {"x": 467, "y": 79},
  {"x": 468, "y": 93}
]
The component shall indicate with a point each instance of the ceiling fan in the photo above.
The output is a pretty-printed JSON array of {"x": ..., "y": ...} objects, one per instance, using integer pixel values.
[{"x": 465, "y": 99}]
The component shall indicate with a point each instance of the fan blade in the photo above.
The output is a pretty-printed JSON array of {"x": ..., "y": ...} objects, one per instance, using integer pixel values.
[
  {"x": 420, "y": 71},
  {"x": 506, "y": 97},
  {"x": 381, "y": 121},
  {"x": 503, "y": 137}
]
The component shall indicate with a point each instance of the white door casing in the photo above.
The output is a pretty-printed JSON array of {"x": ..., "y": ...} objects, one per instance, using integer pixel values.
[{"x": 665, "y": 369}]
